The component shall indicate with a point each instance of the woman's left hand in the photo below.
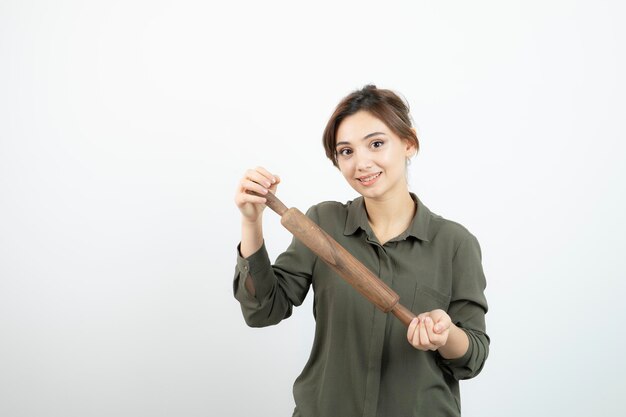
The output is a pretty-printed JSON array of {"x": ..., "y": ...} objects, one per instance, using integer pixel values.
[{"x": 429, "y": 331}]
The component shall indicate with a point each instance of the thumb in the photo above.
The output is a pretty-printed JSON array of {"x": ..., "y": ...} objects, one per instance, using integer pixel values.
[
  {"x": 442, "y": 324},
  {"x": 441, "y": 320},
  {"x": 274, "y": 186}
]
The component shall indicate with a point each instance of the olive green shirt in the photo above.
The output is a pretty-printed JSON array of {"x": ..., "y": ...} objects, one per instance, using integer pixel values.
[{"x": 361, "y": 363}]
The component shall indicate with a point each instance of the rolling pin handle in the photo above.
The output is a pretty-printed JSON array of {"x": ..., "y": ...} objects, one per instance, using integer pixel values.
[{"x": 272, "y": 202}]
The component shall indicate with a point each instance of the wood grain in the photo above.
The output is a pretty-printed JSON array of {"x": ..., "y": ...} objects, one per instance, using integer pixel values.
[{"x": 339, "y": 259}]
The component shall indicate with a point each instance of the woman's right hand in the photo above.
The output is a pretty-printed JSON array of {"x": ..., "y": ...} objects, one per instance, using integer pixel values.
[{"x": 260, "y": 181}]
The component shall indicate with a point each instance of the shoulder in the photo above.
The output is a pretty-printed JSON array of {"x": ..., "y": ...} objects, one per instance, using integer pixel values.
[
  {"x": 335, "y": 216},
  {"x": 328, "y": 210},
  {"x": 330, "y": 207},
  {"x": 449, "y": 231}
]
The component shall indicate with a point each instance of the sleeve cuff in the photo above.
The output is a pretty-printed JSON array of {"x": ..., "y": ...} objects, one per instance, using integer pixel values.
[{"x": 258, "y": 265}]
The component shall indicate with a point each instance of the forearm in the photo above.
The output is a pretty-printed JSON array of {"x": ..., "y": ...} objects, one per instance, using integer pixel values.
[
  {"x": 251, "y": 241},
  {"x": 456, "y": 345},
  {"x": 277, "y": 287},
  {"x": 251, "y": 237}
]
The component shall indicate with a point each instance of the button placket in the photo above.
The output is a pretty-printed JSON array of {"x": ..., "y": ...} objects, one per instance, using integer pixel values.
[{"x": 378, "y": 337}]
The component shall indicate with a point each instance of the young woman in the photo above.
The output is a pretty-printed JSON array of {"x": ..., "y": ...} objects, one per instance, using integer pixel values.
[{"x": 364, "y": 362}]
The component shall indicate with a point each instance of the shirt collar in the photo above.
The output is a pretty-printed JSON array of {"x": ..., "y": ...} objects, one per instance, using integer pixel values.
[{"x": 357, "y": 219}]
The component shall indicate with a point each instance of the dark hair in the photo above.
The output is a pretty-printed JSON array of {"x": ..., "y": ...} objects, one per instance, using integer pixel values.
[{"x": 382, "y": 104}]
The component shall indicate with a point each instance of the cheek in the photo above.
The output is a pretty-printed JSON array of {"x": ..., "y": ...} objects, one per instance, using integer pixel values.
[
  {"x": 382, "y": 160},
  {"x": 346, "y": 169},
  {"x": 393, "y": 160}
]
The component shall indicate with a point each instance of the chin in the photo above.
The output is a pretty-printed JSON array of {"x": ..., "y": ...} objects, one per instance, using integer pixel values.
[{"x": 368, "y": 192}]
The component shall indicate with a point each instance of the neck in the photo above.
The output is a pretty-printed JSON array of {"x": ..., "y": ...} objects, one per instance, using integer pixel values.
[{"x": 390, "y": 216}]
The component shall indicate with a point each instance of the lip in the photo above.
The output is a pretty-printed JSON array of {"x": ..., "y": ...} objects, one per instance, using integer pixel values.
[{"x": 373, "y": 178}]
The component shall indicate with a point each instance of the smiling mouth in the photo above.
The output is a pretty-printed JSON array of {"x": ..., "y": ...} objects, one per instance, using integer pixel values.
[{"x": 365, "y": 180}]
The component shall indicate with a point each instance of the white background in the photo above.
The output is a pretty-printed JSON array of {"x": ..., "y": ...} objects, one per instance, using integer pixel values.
[{"x": 125, "y": 126}]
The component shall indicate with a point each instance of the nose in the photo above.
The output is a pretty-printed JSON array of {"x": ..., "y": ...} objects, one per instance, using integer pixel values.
[{"x": 363, "y": 162}]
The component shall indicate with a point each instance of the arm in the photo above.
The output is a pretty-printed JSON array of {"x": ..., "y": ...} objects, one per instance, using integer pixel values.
[
  {"x": 467, "y": 311},
  {"x": 261, "y": 181},
  {"x": 266, "y": 293},
  {"x": 277, "y": 288},
  {"x": 434, "y": 330},
  {"x": 459, "y": 334},
  {"x": 251, "y": 242},
  {"x": 456, "y": 345}
]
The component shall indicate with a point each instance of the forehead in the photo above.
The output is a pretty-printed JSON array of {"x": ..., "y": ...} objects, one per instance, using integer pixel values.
[{"x": 355, "y": 127}]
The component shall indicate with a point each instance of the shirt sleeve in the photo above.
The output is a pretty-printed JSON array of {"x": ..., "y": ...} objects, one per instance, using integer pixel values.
[
  {"x": 467, "y": 310},
  {"x": 277, "y": 287}
]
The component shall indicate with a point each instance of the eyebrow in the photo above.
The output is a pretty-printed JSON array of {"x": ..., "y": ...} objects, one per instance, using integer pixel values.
[{"x": 364, "y": 138}]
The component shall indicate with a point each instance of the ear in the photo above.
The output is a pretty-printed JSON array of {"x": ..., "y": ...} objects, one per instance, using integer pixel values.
[{"x": 409, "y": 147}]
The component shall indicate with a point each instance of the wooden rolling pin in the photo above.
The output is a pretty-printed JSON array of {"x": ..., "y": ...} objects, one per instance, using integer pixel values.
[{"x": 338, "y": 258}]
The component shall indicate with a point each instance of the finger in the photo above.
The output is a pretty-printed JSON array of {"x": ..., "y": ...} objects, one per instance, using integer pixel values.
[
  {"x": 249, "y": 198},
  {"x": 441, "y": 319},
  {"x": 243, "y": 198},
  {"x": 422, "y": 317},
  {"x": 420, "y": 324},
  {"x": 443, "y": 324},
  {"x": 410, "y": 334},
  {"x": 423, "y": 335},
  {"x": 248, "y": 185},
  {"x": 434, "y": 339},
  {"x": 274, "y": 186},
  {"x": 258, "y": 177},
  {"x": 415, "y": 337},
  {"x": 268, "y": 175}
]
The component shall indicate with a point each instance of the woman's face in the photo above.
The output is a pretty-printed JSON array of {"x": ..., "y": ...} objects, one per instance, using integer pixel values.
[{"x": 371, "y": 157}]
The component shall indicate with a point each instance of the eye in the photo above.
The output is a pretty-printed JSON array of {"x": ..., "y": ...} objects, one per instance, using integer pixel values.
[
  {"x": 344, "y": 151},
  {"x": 377, "y": 143}
]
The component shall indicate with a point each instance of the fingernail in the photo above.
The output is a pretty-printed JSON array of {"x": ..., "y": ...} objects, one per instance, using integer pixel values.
[
  {"x": 267, "y": 183},
  {"x": 273, "y": 180}
]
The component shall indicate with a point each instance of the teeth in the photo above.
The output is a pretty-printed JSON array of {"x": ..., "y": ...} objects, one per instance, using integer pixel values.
[{"x": 369, "y": 178}]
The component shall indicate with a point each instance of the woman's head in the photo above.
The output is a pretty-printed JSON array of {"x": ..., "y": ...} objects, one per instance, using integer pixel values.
[
  {"x": 385, "y": 105},
  {"x": 370, "y": 139}
]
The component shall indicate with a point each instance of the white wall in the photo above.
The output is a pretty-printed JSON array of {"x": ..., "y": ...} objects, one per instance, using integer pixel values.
[{"x": 125, "y": 125}]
